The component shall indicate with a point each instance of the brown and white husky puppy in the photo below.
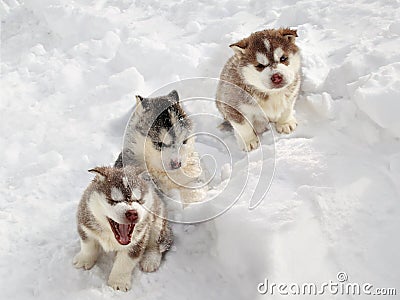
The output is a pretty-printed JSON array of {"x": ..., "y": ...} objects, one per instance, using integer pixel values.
[
  {"x": 119, "y": 211},
  {"x": 266, "y": 68},
  {"x": 159, "y": 138}
]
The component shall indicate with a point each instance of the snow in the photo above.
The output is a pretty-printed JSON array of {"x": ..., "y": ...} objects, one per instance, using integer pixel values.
[
  {"x": 70, "y": 70},
  {"x": 380, "y": 86}
]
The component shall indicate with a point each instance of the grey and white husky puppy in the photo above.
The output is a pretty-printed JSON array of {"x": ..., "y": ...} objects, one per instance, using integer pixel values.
[
  {"x": 120, "y": 212},
  {"x": 159, "y": 138}
]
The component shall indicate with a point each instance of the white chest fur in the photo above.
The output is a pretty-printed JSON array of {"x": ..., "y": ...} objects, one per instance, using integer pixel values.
[
  {"x": 276, "y": 104},
  {"x": 270, "y": 109}
]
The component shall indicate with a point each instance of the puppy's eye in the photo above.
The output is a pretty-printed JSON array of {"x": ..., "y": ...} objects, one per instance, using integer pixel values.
[
  {"x": 140, "y": 201},
  {"x": 185, "y": 142},
  {"x": 283, "y": 58},
  {"x": 260, "y": 67},
  {"x": 113, "y": 201}
]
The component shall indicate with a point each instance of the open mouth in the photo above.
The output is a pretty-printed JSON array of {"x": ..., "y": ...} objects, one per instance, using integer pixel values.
[{"x": 122, "y": 232}]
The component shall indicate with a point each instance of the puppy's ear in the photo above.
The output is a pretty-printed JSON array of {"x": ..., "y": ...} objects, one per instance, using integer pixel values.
[
  {"x": 240, "y": 47},
  {"x": 138, "y": 99},
  {"x": 145, "y": 103},
  {"x": 101, "y": 172},
  {"x": 174, "y": 95},
  {"x": 289, "y": 34}
]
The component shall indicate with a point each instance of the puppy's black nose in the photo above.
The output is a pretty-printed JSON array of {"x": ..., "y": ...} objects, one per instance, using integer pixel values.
[
  {"x": 132, "y": 215},
  {"x": 175, "y": 164}
]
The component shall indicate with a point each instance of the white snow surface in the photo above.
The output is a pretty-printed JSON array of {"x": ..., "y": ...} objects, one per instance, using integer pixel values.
[{"x": 69, "y": 73}]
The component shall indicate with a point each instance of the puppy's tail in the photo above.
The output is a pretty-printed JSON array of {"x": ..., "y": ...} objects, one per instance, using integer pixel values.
[{"x": 225, "y": 126}]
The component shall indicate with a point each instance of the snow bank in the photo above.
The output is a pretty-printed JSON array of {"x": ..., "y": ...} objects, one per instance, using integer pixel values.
[{"x": 378, "y": 96}]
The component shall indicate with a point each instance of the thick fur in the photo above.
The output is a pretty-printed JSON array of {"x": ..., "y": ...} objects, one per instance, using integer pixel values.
[
  {"x": 248, "y": 96},
  {"x": 112, "y": 193},
  {"x": 158, "y": 135}
]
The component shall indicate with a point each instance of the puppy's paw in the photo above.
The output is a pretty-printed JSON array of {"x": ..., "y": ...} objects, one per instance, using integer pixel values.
[
  {"x": 249, "y": 144},
  {"x": 120, "y": 282},
  {"x": 192, "y": 169},
  {"x": 287, "y": 127},
  {"x": 245, "y": 136},
  {"x": 82, "y": 260},
  {"x": 151, "y": 261}
]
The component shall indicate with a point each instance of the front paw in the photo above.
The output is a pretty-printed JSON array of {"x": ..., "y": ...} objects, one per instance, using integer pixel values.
[
  {"x": 121, "y": 282},
  {"x": 286, "y": 127},
  {"x": 249, "y": 143},
  {"x": 151, "y": 261},
  {"x": 84, "y": 261}
]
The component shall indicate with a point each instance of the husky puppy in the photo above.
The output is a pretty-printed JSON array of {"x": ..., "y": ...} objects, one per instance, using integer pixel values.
[
  {"x": 159, "y": 139},
  {"x": 120, "y": 212},
  {"x": 266, "y": 68}
]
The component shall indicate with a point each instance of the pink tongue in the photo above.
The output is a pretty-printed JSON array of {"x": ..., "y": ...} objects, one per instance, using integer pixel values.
[{"x": 124, "y": 233}]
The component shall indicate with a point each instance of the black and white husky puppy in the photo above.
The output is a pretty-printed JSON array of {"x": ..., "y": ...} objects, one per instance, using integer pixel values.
[
  {"x": 159, "y": 138},
  {"x": 121, "y": 212}
]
